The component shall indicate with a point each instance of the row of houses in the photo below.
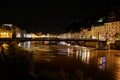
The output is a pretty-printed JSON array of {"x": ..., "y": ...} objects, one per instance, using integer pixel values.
[
  {"x": 105, "y": 31},
  {"x": 11, "y": 31}
]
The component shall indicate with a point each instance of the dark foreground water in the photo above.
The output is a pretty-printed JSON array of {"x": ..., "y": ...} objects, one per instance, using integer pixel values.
[{"x": 68, "y": 58}]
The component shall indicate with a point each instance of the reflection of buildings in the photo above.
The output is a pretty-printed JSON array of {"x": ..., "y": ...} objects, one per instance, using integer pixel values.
[
  {"x": 80, "y": 53},
  {"x": 85, "y": 55},
  {"x": 117, "y": 67},
  {"x": 104, "y": 59},
  {"x": 102, "y": 62},
  {"x": 26, "y": 45}
]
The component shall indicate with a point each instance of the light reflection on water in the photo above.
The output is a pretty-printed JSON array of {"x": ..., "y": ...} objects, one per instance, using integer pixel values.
[
  {"x": 26, "y": 45},
  {"x": 80, "y": 53},
  {"x": 105, "y": 59},
  {"x": 117, "y": 67}
]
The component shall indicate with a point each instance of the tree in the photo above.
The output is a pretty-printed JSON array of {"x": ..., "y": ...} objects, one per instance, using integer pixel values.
[{"x": 18, "y": 61}]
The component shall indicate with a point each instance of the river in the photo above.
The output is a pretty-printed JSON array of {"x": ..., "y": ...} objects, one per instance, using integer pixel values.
[{"x": 104, "y": 59}]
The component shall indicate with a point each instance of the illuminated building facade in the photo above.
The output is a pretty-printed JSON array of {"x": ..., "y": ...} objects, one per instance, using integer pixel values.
[
  {"x": 5, "y": 32},
  {"x": 11, "y": 31},
  {"x": 87, "y": 34},
  {"x": 112, "y": 28},
  {"x": 105, "y": 31}
]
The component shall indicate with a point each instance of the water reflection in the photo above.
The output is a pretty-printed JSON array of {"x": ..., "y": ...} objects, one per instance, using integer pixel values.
[
  {"x": 26, "y": 45},
  {"x": 117, "y": 67},
  {"x": 82, "y": 53},
  {"x": 105, "y": 59},
  {"x": 102, "y": 63}
]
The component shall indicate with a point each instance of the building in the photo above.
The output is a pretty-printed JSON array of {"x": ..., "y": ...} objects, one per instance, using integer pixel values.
[
  {"x": 5, "y": 32},
  {"x": 105, "y": 31},
  {"x": 11, "y": 31},
  {"x": 112, "y": 28}
]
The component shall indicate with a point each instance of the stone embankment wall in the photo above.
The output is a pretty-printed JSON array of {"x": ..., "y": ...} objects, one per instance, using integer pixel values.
[
  {"x": 116, "y": 45},
  {"x": 94, "y": 44}
]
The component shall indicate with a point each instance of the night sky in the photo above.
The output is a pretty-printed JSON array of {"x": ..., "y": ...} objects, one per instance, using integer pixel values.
[{"x": 49, "y": 16}]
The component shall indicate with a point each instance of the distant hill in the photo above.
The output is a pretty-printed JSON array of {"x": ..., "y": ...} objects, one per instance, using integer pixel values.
[{"x": 109, "y": 14}]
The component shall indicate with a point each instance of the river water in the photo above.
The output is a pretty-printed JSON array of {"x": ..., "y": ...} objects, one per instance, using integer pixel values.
[{"x": 105, "y": 59}]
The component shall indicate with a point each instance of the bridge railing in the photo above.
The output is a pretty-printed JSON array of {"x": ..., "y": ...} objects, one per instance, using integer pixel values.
[{"x": 47, "y": 39}]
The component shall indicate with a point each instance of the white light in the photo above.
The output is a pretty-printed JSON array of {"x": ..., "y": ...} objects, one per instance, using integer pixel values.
[
  {"x": 18, "y": 35},
  {"x": 7, "y": 25},
  {"x": 19, "y": 44},
  {"x": 28, "y": 36},
  {"x": 68, "y": 44}
]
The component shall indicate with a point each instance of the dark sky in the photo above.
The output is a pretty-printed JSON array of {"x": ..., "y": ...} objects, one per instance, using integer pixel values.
[{"x": 48, "y": 16}]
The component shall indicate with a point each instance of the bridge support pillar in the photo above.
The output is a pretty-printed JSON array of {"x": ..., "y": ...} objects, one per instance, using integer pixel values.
[{"x": 101, "y": 45}]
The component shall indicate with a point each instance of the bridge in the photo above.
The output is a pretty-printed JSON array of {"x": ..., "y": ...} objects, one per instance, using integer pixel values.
[
  {"x": 98, "y": 44},
  {"x": 47, "y": 39}
]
